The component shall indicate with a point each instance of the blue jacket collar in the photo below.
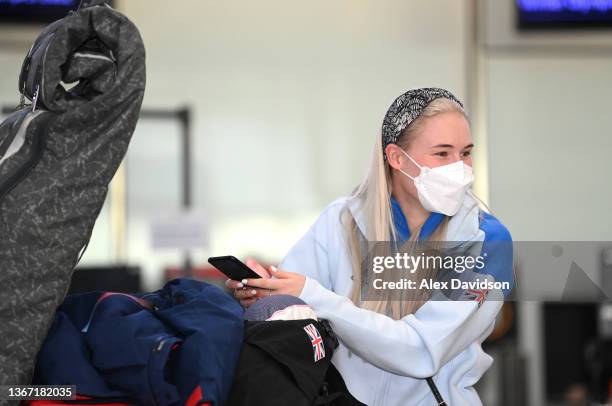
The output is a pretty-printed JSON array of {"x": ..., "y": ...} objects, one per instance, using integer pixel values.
[
  {"x": 463, "y": 226},
  {"x": 401, "y": 224}
]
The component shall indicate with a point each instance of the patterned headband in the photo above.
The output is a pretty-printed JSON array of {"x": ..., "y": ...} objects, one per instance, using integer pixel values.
[{"x": 406, "y": 108}]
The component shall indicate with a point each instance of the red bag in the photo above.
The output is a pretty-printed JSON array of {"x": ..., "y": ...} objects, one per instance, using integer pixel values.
[{"x": 87, "y": 401}]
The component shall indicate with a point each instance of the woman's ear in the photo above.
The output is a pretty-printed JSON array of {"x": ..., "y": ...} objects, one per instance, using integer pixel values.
[{"x": 393, "y": 156}]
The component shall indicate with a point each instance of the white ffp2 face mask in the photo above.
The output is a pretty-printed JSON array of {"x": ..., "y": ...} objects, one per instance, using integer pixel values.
[{"x": 443, "y": 188}]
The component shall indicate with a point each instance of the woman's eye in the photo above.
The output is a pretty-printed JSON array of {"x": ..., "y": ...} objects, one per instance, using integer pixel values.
[
  {"x": 467, "y": 153},
  {"x": 442, "y": 153}
]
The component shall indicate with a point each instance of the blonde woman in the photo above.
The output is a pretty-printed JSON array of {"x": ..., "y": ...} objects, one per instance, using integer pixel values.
[{"x": 401, "y": 352}]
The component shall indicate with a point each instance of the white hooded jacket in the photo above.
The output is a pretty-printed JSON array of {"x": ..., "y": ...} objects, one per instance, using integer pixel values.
[{"x": 383, "y": 361}]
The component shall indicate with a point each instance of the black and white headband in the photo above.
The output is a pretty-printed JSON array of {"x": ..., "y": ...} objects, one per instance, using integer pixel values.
[{"x": 406, "y": 108}]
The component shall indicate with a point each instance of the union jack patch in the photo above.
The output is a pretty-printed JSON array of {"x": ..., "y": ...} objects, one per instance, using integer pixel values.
[
  {"x": 478, "y": 295},
  {"x": 317, "y": 342}
]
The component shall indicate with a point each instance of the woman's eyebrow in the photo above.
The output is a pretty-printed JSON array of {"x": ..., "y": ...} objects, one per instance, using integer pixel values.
[{"x": 451, "y": 146}]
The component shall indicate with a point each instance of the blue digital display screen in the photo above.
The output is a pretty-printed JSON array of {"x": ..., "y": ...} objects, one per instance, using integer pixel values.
[
  {"x": 35, "y": 11},
  {"x": 564, "y": 13}
]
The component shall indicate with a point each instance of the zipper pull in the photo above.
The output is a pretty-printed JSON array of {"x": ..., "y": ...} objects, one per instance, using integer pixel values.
[{"x": 35, "y": 100}]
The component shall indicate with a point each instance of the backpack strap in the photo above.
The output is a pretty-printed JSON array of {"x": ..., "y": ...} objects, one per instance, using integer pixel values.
[
  {"x": 436, "y": 392},
  {"x": 335, "y": 392},
  {"x": 326, "y": 398}
]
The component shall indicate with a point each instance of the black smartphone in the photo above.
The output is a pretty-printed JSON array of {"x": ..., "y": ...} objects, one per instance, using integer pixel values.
[{"x": 233, "y": 268}]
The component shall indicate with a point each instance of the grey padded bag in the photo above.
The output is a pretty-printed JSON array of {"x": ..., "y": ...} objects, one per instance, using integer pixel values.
[{"x": 57, "y": 158}]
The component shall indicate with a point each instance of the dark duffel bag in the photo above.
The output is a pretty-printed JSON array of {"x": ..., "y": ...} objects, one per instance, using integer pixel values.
[
  {"x": 283, "y": 362},
  {"x": 57, "y": 157}
]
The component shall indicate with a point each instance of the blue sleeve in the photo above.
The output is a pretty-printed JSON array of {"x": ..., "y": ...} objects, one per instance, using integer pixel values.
[{"x": 497, "y": 246}]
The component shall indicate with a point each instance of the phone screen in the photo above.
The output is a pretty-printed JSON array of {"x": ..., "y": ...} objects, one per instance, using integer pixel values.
[{"x": 233, "y": 268}]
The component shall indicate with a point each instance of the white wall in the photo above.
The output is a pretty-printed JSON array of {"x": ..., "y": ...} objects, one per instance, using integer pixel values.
[
  {"x": 288, "y": 93},
  {"x": 550, "y": 142}
]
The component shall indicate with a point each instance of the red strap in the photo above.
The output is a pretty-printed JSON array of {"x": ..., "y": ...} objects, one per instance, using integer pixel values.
[
  {"x": 106, "y": 295},
  {"x": 195, "y": 398},
  {"x": 60, "y": 403},
  {"x": 138, "y": 300}
]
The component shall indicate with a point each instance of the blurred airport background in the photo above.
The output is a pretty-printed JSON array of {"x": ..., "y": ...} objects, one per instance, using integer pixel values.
[{"x": 258, "y": 114}]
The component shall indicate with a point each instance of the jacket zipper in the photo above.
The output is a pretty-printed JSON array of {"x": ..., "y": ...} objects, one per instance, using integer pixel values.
[
  {"x": 386, "y": 391},
  {"x": 30, "y": 163},
  {"x": 381, "y": 393}
]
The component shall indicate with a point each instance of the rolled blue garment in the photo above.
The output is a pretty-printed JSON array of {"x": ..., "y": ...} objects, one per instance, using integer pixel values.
[{"x": 264, "y": 308}]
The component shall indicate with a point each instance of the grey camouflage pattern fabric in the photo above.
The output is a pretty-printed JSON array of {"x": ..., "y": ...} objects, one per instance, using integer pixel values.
[
  {"x": 56, "y": 164},
  {"x": 406, "y": 108}
]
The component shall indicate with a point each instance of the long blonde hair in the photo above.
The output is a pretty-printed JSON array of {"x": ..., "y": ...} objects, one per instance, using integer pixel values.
[{"x": 374, "y": 194}]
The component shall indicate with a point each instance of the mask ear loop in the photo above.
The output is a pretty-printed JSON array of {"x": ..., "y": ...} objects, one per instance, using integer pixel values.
[
  {"x": 471, "y": 193},
  {"x": 406, "y": 174},
  {"x": 413, "y": 161}
]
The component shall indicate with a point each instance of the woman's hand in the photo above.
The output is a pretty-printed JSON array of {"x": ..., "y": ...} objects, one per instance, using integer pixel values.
[
  {"x": 281, "y": 283},
  {"x": 247, "y": 295},
  {"x": 287, "y": 283}
]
